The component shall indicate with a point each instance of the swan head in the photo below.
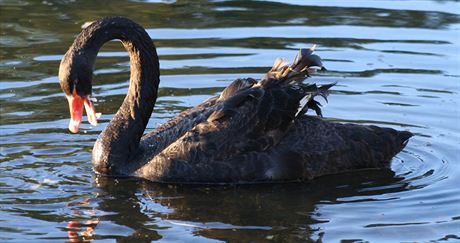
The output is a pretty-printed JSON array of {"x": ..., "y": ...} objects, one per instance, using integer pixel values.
[{"x": 75, "y": 78}]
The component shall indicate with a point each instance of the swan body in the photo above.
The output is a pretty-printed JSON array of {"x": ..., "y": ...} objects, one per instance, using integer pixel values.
[{"x": 254, "y": 131}]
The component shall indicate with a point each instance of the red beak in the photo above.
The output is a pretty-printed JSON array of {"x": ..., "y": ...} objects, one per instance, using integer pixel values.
[{"x": 76, "y": 104}]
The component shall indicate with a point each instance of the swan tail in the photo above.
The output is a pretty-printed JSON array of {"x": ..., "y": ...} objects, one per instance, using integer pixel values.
[{"x": 372, "y": 146}]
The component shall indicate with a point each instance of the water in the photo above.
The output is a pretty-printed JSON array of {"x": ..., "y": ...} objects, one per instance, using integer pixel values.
[{"x": 397, "y": 65}]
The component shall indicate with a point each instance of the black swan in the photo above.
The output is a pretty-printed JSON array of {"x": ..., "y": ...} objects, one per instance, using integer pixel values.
[{"x": 254, "y": 131}]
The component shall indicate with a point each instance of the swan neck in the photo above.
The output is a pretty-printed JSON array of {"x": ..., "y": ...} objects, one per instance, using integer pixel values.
[{"x": 119, "y": 142}]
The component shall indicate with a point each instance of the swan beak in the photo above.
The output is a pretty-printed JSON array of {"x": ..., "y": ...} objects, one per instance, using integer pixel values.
[{"x": 76, "y": 104}]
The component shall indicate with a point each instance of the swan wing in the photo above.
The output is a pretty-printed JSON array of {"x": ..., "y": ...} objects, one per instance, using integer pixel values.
[
  {"x": 249, "y": 117},
  {"x": 245, "y": 126}
]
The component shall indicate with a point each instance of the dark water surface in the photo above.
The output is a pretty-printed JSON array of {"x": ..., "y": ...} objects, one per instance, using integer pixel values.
[{"x": 397, "y": 64}]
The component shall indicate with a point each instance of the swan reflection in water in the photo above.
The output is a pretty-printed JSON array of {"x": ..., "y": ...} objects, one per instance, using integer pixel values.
[{"x": 129, "y": 209}]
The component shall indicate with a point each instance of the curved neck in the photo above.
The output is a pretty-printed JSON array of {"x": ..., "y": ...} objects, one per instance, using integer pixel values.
[{"x": 119, "y": 142}]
